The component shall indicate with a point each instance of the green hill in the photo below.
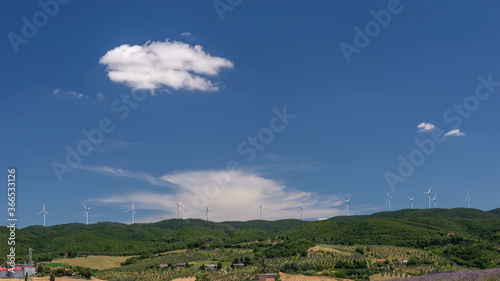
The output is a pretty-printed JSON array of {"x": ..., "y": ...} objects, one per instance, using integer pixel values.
[{"x": 467, "y": 236}]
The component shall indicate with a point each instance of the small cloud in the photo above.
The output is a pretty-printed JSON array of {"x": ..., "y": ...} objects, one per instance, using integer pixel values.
[
  {"x": 455, "y": 133},
  {"x": 186, "y": 34},
  {"x": 170, "y": 64},
  {"x": 100, "y": 97},
  {"x": 69, "y": 94},
  {"x": 425, "y": 127},
  {"x": 74, "y": 94}
]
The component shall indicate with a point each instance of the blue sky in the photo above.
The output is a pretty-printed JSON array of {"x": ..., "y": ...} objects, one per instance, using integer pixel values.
[{"x": 209, "y": 76}]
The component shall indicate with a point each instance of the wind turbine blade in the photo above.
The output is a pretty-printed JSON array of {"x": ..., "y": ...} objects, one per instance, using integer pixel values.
[
  {"x": 129, "y": 210},
  {"x": 40, "y": 212},
  {"x": 85, "y": 206}
]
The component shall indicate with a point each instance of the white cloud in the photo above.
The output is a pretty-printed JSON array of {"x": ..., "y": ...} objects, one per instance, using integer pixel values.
[
  {"x": 234, "y": 195},
  {"x": 100, "y": 97},
  {"x": 186, "y": 34},
  {"x": 69, "y": 94},
  {"x": 455, "y": 132},
  {"x": 426, "y": 127},
  {"x": 158, "y": 64}
]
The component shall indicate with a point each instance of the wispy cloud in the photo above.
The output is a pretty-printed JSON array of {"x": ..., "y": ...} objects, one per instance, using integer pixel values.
[
  {"x": 100, "y": 97},
  {"x": 455, "y": 133},
  {"x": 234, "y": 195},
  {"x": 425, "y": 127},
  {"x": 69, "y": 94},
  {"x": 158, "y": 64},
  {"x": 186, "y": 34},
  {"x": 152, "y": 180}
]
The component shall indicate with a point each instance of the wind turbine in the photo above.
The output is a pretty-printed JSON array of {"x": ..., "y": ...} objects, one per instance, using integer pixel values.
[
  {"x": 133, "y": 212},
  {"x": 301, "y": 210},
  {"x": 44, "y": 211},
  {"x": 467, "y": 199},
  {"x": 207, "y": 210},
  {"x": 388, "y": 200},
  {"x": 347, "y": 205},
  {"x": 429, "y": 193},
  {"x": 411, "y": 201},
  {"x": 261, "y": 207},
  {"x": 179, "y": 209},
  {"x": 86, "y": 212},
  {"x": 435, "y": 201}
]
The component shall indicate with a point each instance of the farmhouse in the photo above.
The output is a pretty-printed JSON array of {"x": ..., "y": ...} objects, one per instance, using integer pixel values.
[
  {"x": 211, "y": 266},
  {"x": 266, "y": 276},
  {"x": 380, "y": 260},
  {"x": 239, "y": 265},
  {"x": 403, "y": 260}
]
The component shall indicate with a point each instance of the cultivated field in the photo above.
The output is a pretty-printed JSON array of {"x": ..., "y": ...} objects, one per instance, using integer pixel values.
[
  {"x": 46, "y": 278},
  {"x": 94, "y": 262},
  {"x": 290, "y": 277}
]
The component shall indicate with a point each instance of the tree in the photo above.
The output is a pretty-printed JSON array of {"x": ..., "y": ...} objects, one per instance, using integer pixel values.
[
  {"x": 219, "y": 265},
  {"x": 202, "y": 277},
  {"x": 52, "y": 278},
  {"x": 248, "y": 261}
]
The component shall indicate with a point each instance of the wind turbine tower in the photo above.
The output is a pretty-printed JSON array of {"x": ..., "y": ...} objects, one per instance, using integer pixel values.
[
  {"x": 467, "y": 199},
  {"x": 133, "y": 212},
  {"x": 429, "y": 194},
  {"x": 388, "y": 200},
  {"x": 411, "y": 201},
  {"x": 435, "y": 201},
  {"x": 44, "y": 212},
  {"x": 86, "y": 212},
  {"x": 261, "y": 207},
  {"x": 207, "y": 209},
  {"x": 347, "y": 206},
  {"x": 301, "y": 210},
  {"x": 179, "y": 209}
]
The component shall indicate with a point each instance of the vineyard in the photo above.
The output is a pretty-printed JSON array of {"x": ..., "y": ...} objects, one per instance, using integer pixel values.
[{"x": 340, "y": 261}]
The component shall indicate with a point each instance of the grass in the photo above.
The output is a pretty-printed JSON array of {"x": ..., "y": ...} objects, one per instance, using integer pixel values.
[{"x": 94, "y": 262}]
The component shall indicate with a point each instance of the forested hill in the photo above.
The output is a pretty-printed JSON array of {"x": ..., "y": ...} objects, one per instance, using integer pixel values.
[{"x": 463, "y": 233}]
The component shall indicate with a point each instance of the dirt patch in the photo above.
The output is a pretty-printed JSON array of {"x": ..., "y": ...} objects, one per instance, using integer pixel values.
[
  {"x": 325, "y": 249},
  {"x": 185, "y": 279}
]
